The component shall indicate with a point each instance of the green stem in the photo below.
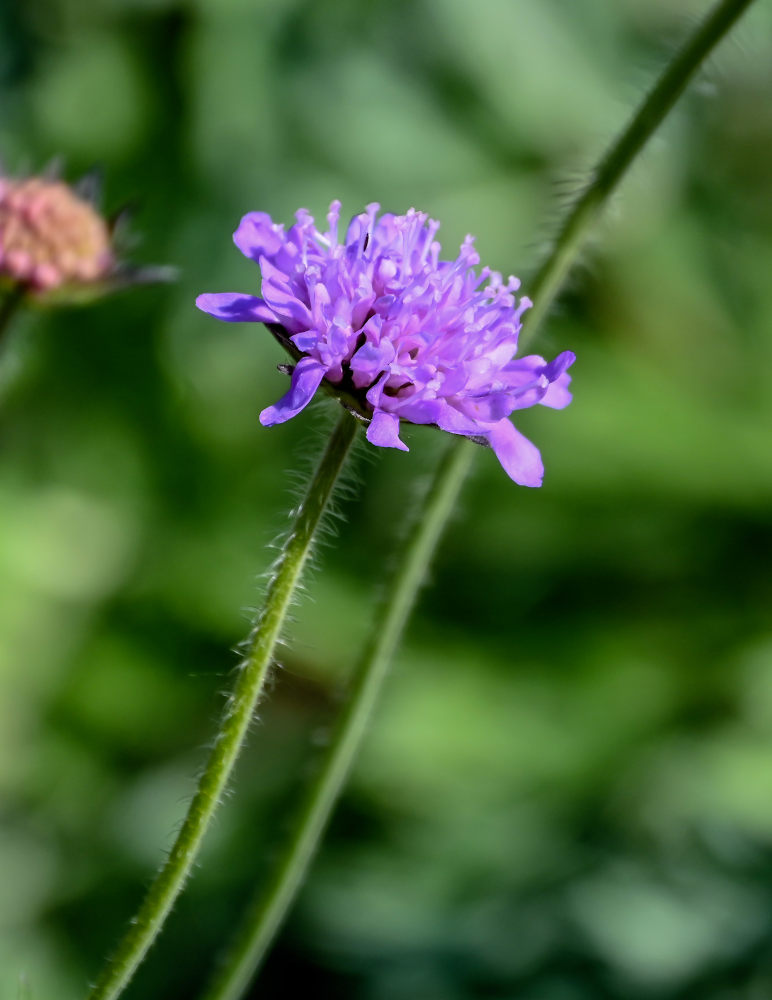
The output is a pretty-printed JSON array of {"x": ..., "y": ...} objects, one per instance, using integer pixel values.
[
  {"x": 9, "y": 307},
  {"x": 549, "y": 278},
  {"x": 168, "y": 883},
  {"x": 271, "y": 906},
  {"x": 268, "y": 912}
]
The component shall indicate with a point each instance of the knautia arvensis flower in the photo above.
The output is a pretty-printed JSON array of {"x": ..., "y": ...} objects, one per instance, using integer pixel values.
[
  {"x": 55, "y": 245},
  {"x": 397, "y": 333},
  {"x": 50, "y": 237}
]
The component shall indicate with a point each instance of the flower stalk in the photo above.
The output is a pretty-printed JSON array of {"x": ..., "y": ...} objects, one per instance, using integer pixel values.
[
  {"x": 265, "y": 917},
  {"x": 272, "y": 905},
  {"x": 168, "y": 883},
  {"x": 615, "y": 163},
  {"x": 9, "y": 306}
]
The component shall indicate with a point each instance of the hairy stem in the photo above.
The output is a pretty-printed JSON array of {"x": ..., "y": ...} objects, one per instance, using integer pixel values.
[
  {"x": 271, "y": 906},
  {"x": 9, "y": 307},
  {"x": 269, "y": 909},
  {"x": 575, "y": 228},
  {"x": 168, "y": 883}
]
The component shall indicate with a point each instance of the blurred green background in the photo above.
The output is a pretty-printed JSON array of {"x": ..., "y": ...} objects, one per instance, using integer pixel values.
[{"x": 567, "y": 792}]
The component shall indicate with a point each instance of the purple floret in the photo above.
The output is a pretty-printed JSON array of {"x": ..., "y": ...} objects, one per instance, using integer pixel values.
[{"x": 414, "y": 338}]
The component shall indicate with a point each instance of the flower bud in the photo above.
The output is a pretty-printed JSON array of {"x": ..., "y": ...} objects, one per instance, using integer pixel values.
[{"x": 50, "y": 238}]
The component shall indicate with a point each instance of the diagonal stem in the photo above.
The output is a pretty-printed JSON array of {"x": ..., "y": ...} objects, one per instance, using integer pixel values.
[
  {"x": 168, "y": 883},
  {"x": 9, "y": 307},
  {"x": 271, "y": 906},
  {"x": 255, "y": 937},
  {"x": 609, "y": 171}
]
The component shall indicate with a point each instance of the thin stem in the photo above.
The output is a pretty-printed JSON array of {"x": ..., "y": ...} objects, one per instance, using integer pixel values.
[
  {"x": 9, "y": 307},
  {"x": 549, "y": 278},
  {"x": 265, "y": 918},
  {"x": 271, "y": 906},
  {"x": 168, "y": 883}
]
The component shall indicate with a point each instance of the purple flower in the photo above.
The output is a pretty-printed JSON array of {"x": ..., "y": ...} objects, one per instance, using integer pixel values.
[{"x": 395, "y": 332}]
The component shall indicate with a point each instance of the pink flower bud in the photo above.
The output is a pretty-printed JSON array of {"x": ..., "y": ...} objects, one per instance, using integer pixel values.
[{"x": 50, "y": 237}]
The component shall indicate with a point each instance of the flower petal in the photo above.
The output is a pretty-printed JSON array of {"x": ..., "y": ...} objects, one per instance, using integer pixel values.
[
  {"x": 306, "y": 379},
  {"x": 293, "y": 313},
  {"x": 234, "y": 307},
  {"x": 417, "y": 410},
  {"x": 557, "y": 397},
  {"x": 520, "y": 459},
  {"x": 522, "y": 370},
  {"x": 452, "y": 420},
  {"x": 305, "y": 341},
  {"x": 257, "y": 234},
  {"x": 383, "y": 430},
  {"x": 369, "y": 361},
  {"x": 498, "y": 405},
  {"x": 556, "y": 368},
  {"x": 530, "y": 394},
  {"x": 532, "y": 380}
]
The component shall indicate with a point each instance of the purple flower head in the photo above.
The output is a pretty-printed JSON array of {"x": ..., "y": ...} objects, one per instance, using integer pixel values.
[{"x": 396, "y": 333}]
